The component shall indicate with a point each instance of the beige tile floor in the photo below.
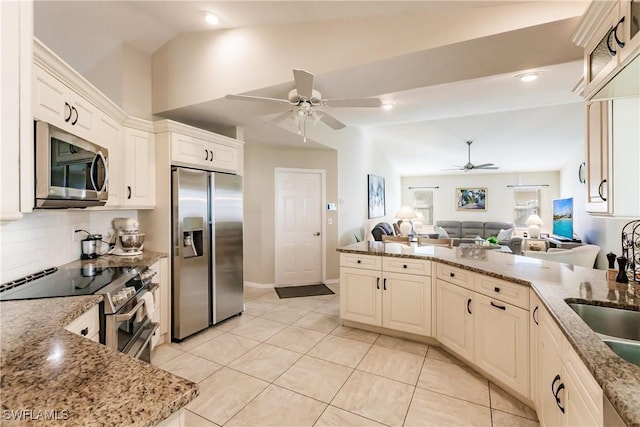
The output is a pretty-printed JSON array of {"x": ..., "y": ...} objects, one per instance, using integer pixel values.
[{"x": 290, "y": 362}]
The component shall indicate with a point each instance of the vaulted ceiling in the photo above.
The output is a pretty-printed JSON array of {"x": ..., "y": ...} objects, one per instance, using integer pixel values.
[{"x": 448, "y": 67}]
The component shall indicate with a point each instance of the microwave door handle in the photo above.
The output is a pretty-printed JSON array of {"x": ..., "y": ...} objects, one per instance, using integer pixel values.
[
  {"x": 106, "y": 171},
  {"x": 93, "y": 166}
]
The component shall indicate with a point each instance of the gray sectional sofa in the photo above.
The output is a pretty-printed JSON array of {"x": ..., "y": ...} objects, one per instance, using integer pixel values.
[{"x": 461, "y": 231}]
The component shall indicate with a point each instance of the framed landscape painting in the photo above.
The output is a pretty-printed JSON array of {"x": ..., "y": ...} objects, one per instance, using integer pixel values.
[
  {"x": 376, "y": 196},
  {"x": 471, "y": 199}
]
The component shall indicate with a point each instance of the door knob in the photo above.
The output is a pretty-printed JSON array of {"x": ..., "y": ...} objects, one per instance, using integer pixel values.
[{"x": 317, "y": 233}]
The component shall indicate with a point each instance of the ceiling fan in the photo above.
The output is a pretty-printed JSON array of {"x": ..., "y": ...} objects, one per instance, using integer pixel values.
[
  {"x": 307, "y": 103},
  {"x": 470, "y": 166}
]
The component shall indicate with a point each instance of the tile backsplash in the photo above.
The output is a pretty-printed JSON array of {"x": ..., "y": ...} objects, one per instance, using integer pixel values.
[{"x": 43, "y": 239}]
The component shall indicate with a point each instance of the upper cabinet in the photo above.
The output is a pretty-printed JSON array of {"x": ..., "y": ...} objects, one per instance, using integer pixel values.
[
  {"x": 610, "y": 34},
  {"x": 56, "y": 103},
  {"x": 139, "y": 169},
  {"x": 16, "y": 129},
  {"x": 192, "y": 147}
]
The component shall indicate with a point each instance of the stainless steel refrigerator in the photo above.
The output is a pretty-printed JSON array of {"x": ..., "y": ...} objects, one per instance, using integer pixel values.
[{"x": 207, "y": 281}]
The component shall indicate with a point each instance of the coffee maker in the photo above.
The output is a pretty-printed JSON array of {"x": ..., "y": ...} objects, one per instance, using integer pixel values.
[{"x": 128, "y": 240}]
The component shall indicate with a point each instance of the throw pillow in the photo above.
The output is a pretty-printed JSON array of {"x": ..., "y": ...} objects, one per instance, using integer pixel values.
[
  {"x": 504, "y": 235},
  {"x": 442, "y": 233}
]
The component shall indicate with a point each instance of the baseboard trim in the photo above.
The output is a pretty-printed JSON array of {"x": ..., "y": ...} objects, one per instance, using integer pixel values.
[
  {"x": 259, "y": 285},
  {"x": 332, "y": 281}
]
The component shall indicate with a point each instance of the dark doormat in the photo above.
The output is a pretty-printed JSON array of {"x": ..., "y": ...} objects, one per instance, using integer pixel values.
[{"x": 303, "y": 291}]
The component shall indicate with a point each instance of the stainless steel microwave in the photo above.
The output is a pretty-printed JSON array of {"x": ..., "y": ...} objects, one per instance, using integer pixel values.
[{"x": 70, "y": 171}]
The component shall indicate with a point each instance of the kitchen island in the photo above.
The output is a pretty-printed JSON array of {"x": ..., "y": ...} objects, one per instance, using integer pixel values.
[
  {"x": 51, "y": 375},
  {"x": 553, "y": 283}
]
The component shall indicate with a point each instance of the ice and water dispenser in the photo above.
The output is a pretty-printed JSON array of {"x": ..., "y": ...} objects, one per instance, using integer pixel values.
[{"x": 192, "y": 237}]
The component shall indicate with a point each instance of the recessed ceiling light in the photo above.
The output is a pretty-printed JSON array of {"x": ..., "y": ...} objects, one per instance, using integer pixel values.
[
  {"x": 387, "y": 106},
  {"x": 211, "y": 18},
  {"x": 528, "y": 77}
]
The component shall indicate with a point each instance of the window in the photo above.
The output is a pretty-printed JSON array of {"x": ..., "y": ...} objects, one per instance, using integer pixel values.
[
  {"x": 526, "y": 202},
  {"x": 423, "y": 204}
]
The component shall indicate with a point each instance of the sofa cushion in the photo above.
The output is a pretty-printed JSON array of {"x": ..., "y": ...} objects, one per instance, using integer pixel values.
[
  {"x": 442, "y": 233},
  {"x": 452, "y": 227},
  {"x": 472, "y": 229},
  {"x": 505, "y": 235},
  {"x": 492, "y": 228}
]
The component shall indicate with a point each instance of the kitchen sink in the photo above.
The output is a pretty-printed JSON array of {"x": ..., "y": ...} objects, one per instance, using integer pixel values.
[
  {"x": 618, "y": 328},
  {"x": 629, "y": 351},
  {"x": 615, "y": 322}
]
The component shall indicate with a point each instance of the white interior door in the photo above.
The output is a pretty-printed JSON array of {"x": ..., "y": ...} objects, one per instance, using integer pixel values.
[{"x": 299, "y": 234}]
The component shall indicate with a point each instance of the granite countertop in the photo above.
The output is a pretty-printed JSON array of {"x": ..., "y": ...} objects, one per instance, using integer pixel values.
[
  {"x": 47, "y": 371},
  {"x": 145, "y": 260},
  {"x": 553, "y": 283}
]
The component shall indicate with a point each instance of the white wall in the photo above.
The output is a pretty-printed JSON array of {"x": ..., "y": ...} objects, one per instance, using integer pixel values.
[
  {"x": 499, "y": 196},
  {"x": 42, "y": 239}
]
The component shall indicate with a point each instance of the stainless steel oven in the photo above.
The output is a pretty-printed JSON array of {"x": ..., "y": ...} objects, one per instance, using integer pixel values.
[
  {"x": 70, "y": 171},
  {"x": 126, "y": 325}
]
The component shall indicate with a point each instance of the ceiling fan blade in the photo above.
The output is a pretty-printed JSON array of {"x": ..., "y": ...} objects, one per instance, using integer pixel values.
[
  {"x": 304, "y": 83},
  {"x": 457, "y": 168},
  {"x": 487, "y": 167},
  {"x": 483, "y": 166},
  {"x": 331, "y": 121},
  {"x": 258, "y": 98},
  {"x": 279, "y": 117},
  {"x": 353, "y": 103}
]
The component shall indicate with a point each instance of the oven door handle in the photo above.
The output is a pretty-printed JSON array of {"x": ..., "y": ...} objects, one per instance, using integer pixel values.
[
  {"x": 129, "y": 315},
  {"x": 136, "y": 349}
]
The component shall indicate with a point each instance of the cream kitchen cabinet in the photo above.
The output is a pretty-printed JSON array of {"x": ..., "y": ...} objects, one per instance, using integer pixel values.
[
  {"x": 567, "y": 393},
  {"x": 56, "y": 103},
  {"x": 192, "y": 151},
  {"x": 534, "y": 323},
  {"x": 613, "y": 155},
  {"x": 87, "y": 325},
  {"x": 483, "y": 319},
  {"x": 375, "y": 293},
  {"x": 16, "y": 124},
  {"x": 138, "y": 169},
  {"x": 454, "y": 325},
  {"x": 162, "y": 298},
  {"x": 501, "y": 342}
]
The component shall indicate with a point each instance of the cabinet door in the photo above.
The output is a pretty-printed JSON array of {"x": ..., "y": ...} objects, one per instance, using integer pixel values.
[
  {"x": 454, "y": 327},
  {"x": 583, "y": 395},
  {"x": 630, "y": 28},
  {"x": 549, "y": 376},
  {"x": 602, "y": 52},
  {"x": 50, "y": 99},
  {"x": 361, "y": 295},
  {"x": 110, "y": 136},
  {"x": 406, "y": 303},
  {"x": 534, "y": 323},
  {"x": 189, "y": 150},
  {"x": 223, "y": 158},
  {"x": 597, "y": 157},
  {"x": 84, "y": 117},
  {"x": 139, "y": 169},
  {"x": 501, "y": 342}
]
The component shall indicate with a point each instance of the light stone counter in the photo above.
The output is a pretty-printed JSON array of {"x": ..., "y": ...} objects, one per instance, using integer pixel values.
[
  {"x": 553, "y": 283},
  {"x": 50, "y": 373}
]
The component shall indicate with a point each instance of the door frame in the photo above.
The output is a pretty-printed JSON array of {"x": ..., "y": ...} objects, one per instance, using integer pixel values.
[{"x": 323, "y": 217}]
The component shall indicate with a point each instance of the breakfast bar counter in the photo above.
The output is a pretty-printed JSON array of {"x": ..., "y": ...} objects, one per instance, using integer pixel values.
[
  {"x": 52, "y": 376},
  {"x": 555, "y": 284}
]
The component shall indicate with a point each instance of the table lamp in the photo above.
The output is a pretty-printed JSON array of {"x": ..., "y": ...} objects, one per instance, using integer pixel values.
[
  {"x": 406, "y": 214},
  {"x": 534, "y": 222}
]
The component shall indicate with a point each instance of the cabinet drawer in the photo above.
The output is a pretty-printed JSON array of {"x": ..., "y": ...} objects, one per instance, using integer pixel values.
[
  {"x": 87, "y": 324},
  {"x": 404, "y": 265},
  {"x": 512, "y": 293},
  {"x": 369, "y": 262},
  {"x": 455, "y": 275}
]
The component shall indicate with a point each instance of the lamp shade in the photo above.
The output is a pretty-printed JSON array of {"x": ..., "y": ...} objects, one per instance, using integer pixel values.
[
  {"x": 406, "y": 212},
  {"x": 534, "y": 220}
]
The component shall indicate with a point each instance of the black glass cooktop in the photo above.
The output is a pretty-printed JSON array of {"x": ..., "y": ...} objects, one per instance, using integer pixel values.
[{"x": 63, "y": 282}]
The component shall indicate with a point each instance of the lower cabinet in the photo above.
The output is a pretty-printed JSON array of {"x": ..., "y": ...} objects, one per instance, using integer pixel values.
[
  {"x": 501, "y": 342},
  {"x": 488, "y": 332},
  {"x": 567, "y": 393},
  {"x": 87, "y": 325},
  {"x": 454, "y": 325},
  {"x": 162, "y": 298},
  {"x": 392, "y": 300}
]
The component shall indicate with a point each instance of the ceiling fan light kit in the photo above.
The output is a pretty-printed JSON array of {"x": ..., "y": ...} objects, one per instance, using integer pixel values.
[{"x": 307, "y": 103}]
